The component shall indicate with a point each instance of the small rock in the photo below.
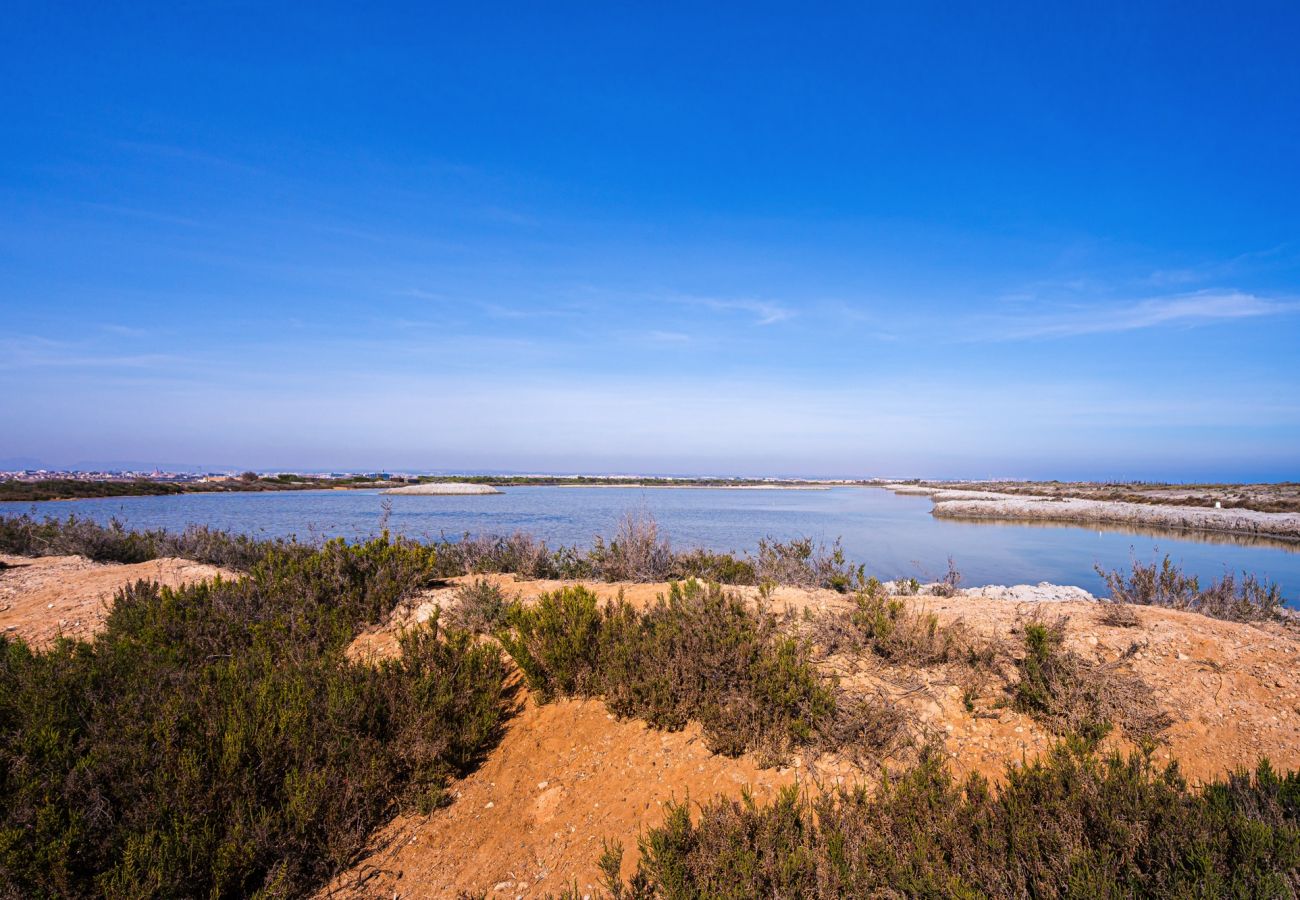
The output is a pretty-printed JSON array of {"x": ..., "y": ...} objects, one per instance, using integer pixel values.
[
  {"x": 542, "y": 785},
  {"x": 1182, "y": 655},
  {"x": 489, "y": 805}
]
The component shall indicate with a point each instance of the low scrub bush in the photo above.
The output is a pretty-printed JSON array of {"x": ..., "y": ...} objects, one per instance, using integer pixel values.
[
  {"x": 721, "y": 568},
  {"x": 1071, "y": 824},
  {"x": 1116, "y": 614},
  {"x": 698, "y": 653},
  {"x": 635, "y": 553},
  {"x": 950, "y": 583},
  {"x": 1164, "y": 584},
  {"x": 899, "y": 632},
  {"x": 114, "y": 542},
  {"x": 481, "y": 607},
  {"x": 215, "y": 740},
  {"x": 802, "y": 563},
  {"x": 1076, "y": 697}
]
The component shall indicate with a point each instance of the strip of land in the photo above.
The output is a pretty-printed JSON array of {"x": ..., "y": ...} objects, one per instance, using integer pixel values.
[{"x": 1053, "y": 505}]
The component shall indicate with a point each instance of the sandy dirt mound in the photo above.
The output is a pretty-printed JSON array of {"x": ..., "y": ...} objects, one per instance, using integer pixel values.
[
  {"x": 531, "y": 820},
  {"x": 44, "y": 597},
  {"x": 568, "y": 775}
]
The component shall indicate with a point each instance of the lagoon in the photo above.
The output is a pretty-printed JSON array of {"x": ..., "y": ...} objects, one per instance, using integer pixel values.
[{"x": 895, "y": 536}]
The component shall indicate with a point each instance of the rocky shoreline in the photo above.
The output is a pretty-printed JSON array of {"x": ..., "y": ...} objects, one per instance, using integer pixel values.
[
  {"x": 967, "y": 504},
  {"x": 446, "y": 488}
]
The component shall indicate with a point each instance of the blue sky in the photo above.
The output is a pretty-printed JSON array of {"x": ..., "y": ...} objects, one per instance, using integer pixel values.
[{"x": 1008, "y": 240}]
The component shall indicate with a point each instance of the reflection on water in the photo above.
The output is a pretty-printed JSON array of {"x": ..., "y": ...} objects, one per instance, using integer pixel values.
[
  {"x": 1144, "y": 531},
  {"x": 895, "y": 536}
]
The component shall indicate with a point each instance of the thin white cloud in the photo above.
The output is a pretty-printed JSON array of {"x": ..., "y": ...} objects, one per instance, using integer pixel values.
[
  {"x": 668, "y": 337},
  {"x": 765, "y": 312},
  {"x": 1200, "y": 308}
]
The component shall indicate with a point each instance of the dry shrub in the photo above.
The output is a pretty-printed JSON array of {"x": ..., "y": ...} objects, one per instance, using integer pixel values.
[
  {"x": 900, "y": 633},
  {"x": 1165, "y": 585},
  {"x": 1115, "y": 614},
  {"x": 948, "y": 586},
  {"x": 636, "y": 553},
  {"x": 519, "y": 553},
  {"x": 481, "y": 607},
  {"x": 803, "y": 563},
  {"x": 1072, "y": 695}
]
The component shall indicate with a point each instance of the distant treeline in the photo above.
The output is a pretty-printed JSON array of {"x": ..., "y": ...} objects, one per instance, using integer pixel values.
[
  {"x": 76, "y": 489},
  {"x": 629, "y": 480}
]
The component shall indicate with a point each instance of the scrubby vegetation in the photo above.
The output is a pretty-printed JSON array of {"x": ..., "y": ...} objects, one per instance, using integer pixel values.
[
  {"x": 1164, "y": 584},
  {"x": 114, "y": 542},
  {"x": 639, "y": 552},
  {"x": 481, "y": 607},
  {"x": 1073, "y": 824},
  {"x": 215, "y": 740},
  {"x": 76, "y": 488},
  {"x": 1074, "y": 696},
  {"x": 699, "y": 653}
]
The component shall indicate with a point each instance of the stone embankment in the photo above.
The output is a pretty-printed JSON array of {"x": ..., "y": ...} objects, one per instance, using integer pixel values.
[{"x": 964, "y": 504}]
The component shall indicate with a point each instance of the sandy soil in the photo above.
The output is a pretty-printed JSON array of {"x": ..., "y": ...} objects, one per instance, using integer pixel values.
[
  {"x": 44, "y": 597},
  {"x": 568, "y": 775},
  {"x": 972, "y": 504}
]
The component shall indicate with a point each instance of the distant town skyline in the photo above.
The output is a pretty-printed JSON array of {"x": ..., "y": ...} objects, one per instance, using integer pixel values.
[{"x": 928, "y": 240}]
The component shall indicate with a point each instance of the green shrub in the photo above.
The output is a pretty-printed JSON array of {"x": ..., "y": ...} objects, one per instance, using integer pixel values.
[
  {"x": 556, "y": 643},
  {"x": 215, "y": 740},
  {"x": 899, "y": 633},
  {"x": 698, "y": 653},
  {"x": 26, "y": 536},
  {"x": 1071, "y": 824},
  {"x": 721, "y": 568}
]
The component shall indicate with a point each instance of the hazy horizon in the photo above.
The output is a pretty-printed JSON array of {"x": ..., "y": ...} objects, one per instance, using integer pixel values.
[{"x": 1042, "y": 243}]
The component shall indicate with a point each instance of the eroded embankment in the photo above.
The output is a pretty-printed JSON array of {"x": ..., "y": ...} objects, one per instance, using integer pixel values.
[
  {"x": 568, "y": 775},
  {"x": 967, "y": 504}
]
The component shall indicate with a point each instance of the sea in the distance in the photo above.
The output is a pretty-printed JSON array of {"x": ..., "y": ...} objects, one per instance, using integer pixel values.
[{"x": 895, "y": 536}]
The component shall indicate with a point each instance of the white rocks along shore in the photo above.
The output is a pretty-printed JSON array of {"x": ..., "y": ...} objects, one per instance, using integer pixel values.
[
  {"x": 444, "y": 488},
  {"x": 964, "y": 504}
]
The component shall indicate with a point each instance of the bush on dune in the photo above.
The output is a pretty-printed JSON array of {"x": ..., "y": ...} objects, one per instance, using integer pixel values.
[
  {"x": 1072, "y": 824},
  {"x": 215, "y": 740},
  {"x": 697, "y": 654}
]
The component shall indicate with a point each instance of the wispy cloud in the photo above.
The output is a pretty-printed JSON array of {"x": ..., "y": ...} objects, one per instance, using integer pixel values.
[
  {"x": 31, "y": 352},
  {"x": 668, "y": 337},
  {"x": 765, "y": 312},
  {"x": 1187, "y": 310}
]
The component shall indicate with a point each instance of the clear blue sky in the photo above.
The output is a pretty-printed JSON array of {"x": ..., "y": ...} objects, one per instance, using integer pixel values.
[{"x": 940, "y": 239}]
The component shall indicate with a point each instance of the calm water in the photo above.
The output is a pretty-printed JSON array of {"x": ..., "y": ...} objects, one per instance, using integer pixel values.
[{"x": 895, "y": 536}]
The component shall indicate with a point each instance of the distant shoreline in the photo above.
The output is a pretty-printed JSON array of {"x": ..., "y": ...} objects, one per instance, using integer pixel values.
[
  {"x": 1070, "y": 510},
  {"x": 699, "y": 487}
]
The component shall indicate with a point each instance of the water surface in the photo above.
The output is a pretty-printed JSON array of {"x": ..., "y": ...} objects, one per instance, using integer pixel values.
[{"x": 894, "y": 535}]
